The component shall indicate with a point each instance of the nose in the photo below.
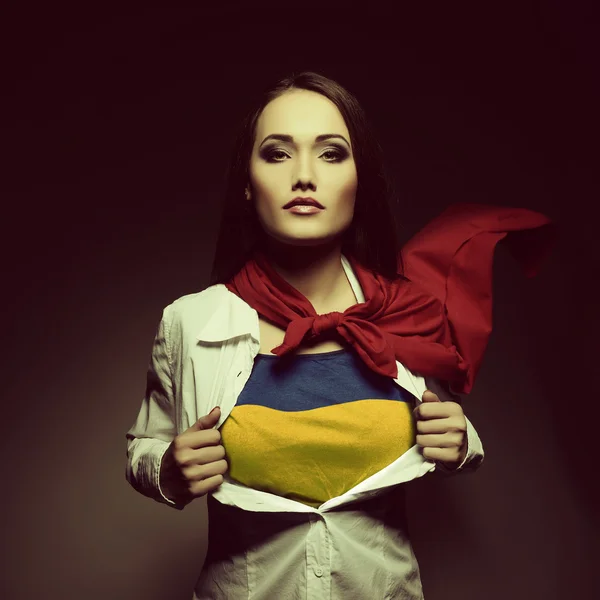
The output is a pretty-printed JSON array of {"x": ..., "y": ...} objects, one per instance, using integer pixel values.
[
  {"x": 304, "y": 185},
  {"x": 303, "y": 177}
]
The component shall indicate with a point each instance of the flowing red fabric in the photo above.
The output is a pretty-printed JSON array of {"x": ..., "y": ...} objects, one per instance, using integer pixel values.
[{"x": 436, "y": 320}]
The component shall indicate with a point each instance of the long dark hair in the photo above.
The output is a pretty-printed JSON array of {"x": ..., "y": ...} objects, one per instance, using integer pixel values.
[{"x": 371, "y": 238}]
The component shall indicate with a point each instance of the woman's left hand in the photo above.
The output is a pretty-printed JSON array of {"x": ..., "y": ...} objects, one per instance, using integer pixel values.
[{"x": 441, "y": 430}]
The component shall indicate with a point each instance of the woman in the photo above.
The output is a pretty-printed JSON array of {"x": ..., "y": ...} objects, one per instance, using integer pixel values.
[{"x": 310, "y": 380}]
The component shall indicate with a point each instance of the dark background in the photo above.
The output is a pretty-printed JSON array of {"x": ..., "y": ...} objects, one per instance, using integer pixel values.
[{"x": 117, "y": 129}]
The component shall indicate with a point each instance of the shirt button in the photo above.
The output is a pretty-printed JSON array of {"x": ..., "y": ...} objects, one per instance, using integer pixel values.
[{"x": 318, "y": 571}]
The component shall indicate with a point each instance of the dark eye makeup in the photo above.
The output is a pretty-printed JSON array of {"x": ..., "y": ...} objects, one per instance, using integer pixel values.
[{"x": 270, "y": 152}]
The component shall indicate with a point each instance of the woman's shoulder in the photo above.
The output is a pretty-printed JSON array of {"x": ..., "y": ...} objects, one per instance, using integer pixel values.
[
  {"x": 196, "y": 308},
  {"x": 215, "y": 313},
  {"x": 213, "y": 293}
]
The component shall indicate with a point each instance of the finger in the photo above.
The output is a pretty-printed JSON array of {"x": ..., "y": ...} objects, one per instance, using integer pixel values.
[
  {"x": 441, "y": 425},
  {"x": 200, "y": 472},
  {"x": 439, "y": 440},
  {"x": 429, "y": 396},
  {"x": 200, "y": 488},
  {"x": 188, "y": 456},
  {"x": 449, "y": 455},
  {"x": 437, "y": 410},
  {"x": 207, "y": 421},
  {"x": 207, "y": 455},
  {"x": 197, "y": 439},
  {"x": 434, "y": 425},
  {"x": 202, "y": 439}
]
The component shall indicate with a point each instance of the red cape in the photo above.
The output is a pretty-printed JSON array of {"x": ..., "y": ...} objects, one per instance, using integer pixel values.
[{"x": 452, "y": 258}]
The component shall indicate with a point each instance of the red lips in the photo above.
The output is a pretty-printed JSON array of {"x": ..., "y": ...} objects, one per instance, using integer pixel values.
[{"x": 306, "y": 201}]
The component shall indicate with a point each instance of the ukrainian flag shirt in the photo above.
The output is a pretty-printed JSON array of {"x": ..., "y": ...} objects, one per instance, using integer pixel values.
[{"x": 312, "y": 426}]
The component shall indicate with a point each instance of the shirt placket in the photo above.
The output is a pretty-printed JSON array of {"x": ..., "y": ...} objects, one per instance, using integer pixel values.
[{"x": 318, "y": 559}]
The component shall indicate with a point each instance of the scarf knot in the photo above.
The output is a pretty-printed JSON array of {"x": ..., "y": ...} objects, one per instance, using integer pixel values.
[{"x": 327, "y": 321}]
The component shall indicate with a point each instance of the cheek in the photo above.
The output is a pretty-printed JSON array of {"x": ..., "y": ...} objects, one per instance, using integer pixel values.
[
  {"x": 349, "y": 189},
  {"x": 347, "y": 192},
  {"x": 266, "y": 180},
  {"x": 348, "y": 182}
]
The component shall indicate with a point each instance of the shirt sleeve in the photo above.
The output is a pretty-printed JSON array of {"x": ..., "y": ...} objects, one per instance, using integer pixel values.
[{"x": 154, "y": 428}]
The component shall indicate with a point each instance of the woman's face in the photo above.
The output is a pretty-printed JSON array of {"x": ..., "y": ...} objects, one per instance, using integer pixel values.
[{"x": 282, "y": 170}]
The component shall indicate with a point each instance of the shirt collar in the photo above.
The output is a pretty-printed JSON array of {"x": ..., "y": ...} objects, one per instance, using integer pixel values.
[{"x": 233, "y": 316}]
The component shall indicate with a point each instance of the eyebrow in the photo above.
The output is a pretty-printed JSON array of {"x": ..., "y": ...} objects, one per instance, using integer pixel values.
[{"x": 288, "y": 138}]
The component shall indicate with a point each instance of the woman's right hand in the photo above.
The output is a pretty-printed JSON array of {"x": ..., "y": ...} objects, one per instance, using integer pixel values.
[{"x": 194, "y": 462}]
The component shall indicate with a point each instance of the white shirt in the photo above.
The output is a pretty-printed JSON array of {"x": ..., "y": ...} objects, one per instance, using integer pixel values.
[{"x": 353, "y": 546}]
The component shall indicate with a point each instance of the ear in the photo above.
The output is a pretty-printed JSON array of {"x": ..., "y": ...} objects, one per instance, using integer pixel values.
[{"x": 248, "y": 194}]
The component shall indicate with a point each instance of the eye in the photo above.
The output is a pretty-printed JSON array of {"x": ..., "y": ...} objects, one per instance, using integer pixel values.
[
  {"x": 337, "y": 155},
  {"x": 331, "y": 155},
  {"x": 271, "y": 155}
]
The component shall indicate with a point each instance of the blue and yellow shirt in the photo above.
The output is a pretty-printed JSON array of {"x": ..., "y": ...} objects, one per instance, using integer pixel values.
[{"x": 312, "y": 426}]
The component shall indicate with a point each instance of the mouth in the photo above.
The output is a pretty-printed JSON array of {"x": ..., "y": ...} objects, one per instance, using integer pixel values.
[{"x": 303, "y": 202}]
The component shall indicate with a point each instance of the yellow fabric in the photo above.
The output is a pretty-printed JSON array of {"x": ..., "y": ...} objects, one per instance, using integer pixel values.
[{"x": 314, "y": 455}]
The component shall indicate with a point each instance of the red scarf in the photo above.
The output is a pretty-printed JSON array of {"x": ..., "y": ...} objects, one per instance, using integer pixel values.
[{"x": 437, "y": 321}]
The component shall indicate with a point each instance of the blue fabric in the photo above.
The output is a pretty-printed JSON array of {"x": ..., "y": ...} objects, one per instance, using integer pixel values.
[{"x": 307, "y": 381}]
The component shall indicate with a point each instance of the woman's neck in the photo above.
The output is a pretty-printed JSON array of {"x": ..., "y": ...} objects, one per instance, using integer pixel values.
[{"x": 315, "y": 271}]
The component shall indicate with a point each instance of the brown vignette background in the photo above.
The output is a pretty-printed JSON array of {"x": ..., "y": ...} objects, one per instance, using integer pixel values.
[{"x": 118, "y": 131}]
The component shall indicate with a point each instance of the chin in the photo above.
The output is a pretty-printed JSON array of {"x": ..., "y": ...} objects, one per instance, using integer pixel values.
[{"x": 307, "y": 241}]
